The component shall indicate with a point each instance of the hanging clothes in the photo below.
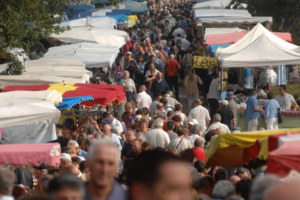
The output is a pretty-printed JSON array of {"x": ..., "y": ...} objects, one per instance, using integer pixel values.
[
  {"x": 248, "y": 78},
  {"x": 281, "y": 75}
]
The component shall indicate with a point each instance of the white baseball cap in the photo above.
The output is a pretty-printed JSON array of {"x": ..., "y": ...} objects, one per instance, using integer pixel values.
[
  {"x": 193, "y": 122},
  {"x": 224, "y": 102}
]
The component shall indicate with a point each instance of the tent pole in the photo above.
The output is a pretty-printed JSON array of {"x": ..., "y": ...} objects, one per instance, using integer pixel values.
[{"x": 222, "y": 82}]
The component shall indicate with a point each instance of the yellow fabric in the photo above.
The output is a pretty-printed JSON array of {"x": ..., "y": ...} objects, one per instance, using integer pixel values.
[
  {"x": 264, "y": 148},
  {"x": 62, "y": 87},
  {"x": 245, "y": 139},
  {"x": 133, "y": 17},
  {"x": 131, "y": 22}
]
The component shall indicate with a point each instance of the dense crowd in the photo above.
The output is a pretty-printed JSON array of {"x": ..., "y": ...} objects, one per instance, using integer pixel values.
[{"x": 153, "y": 150}]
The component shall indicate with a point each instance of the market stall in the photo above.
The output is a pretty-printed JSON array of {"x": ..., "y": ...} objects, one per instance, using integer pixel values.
[
  {"x": 211, "y": 13},
  {"x": 219, "y": 31},
  {"x": 102, "y": 22},
  {"x": 216, "y": 4},
  {"x": 32, "y": 154}
]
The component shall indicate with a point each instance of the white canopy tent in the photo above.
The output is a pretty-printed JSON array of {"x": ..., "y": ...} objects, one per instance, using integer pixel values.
[
  {"x": 57, "y": 67},
  {"x": 214, "y": 4},
  {"x": 19, "y": 110},
  {"x": 93, "y": 35},
  {"x": 8, "y": 80},
  {"x": 47, "y": 95},
  {"x": 219, "y": 31},
  {"x": 101, "y": 22},
  {"x": 102, "y": 12},
  {"x": 232, "y": 22},
  {"x": 259, "y": 47},
  {"x": 211, "y": 13}
]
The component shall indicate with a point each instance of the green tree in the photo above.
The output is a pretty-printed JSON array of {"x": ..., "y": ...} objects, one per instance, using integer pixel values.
[{"x": 285, "y": 14}]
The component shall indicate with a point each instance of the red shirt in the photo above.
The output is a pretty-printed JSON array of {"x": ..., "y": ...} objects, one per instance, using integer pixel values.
[
  {"x": 199, "y": 154},
  {"x": 172, "y": 67}
]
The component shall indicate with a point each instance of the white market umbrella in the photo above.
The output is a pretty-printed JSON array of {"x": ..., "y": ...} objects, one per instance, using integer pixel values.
[{"x": 90, "y": 35}]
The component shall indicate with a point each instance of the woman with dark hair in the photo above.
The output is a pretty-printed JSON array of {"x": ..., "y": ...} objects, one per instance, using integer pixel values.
[
  {"x": 271, "y": 112},
  {"x": 191, "y": 86}
]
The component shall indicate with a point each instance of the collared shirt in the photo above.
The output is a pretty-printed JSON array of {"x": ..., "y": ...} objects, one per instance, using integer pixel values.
[
  {"x": 193, "y": 137},
  {"x": 250, "y": 113},
  {"x": 82, "y": 153},
  {"x": 201, "y": 114},
  {"x": 144, "y": 100},
  {"x": 199, "y": 154},
  {"x": 157, "y": 138},
  {"x": 117, "y": 123},
  {"x": 127, "y": 119},
  {"x": 117, "y": 192},
  {"x": 218, "y": 125},
  {"x": 271, "y": 109}
]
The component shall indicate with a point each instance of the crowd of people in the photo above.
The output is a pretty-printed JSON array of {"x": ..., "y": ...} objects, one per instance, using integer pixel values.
[{"x": 153, "y": 150}]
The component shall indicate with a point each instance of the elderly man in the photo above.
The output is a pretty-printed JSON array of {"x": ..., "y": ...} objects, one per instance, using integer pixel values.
[
  {"x": 226, "y": 114},
  {"x": 171, "y": 127},
  {"x": 172, "y": 66},
  {"x": 159, "y": 85},
  {"x": 223, "y": 189},
  {"x": 112, "y": 136},
  {"x": 157, "y": 175},
  {"x": 78, "y": 151},
  {"x": 137, "y": 146},
  {"x": 179, "y": 30},
  {"x": 199, "y": 113},
  {"x": 285, "y": 100},
  {"x": 170, "y": 99},
  {"x": 102, "y": 160},
  {"x": 143, "y": 99},
  {"x": 40, "y": 170},
  {"x": 157, "y": 137},
  {"x": 218, "y": 125},
  {"x": 232, "y": 105},
  {"x": 114, "y": 121},
  {"x": 128, "y": 115},
  {"x": 199, "y": 149},
  {"x": 127, "y": 153},
  {"x": 161, "y": 54},
  {"x": 253, "y": 112},
  {"x": 65, "y": 161},
  {"x": 180, "y": 143}
]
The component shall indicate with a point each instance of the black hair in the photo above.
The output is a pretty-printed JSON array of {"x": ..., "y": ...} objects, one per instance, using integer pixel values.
[
  {"x": 283, "y": 87},
  {"x": 66, "y": 180},
  {"x": 199, "y": 165},
  {"x": 221, "y": 174},
  {"x": 204, "y": 182},
  {"x": 163, "y": 101},
  {"x": 243, "y": 188}
]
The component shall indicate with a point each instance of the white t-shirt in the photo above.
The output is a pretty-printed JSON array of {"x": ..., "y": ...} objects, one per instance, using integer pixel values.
[
  {"x": 213, "y": 92},
  {"x": 115, "y": 139},
  {"x": 181, "y": 144},
  {"x": 148, "y": 73},
  {"x": 117, "y": 123},
  {"x": 201, "y": 114},
  {"x": 144, "y": 100},
  {"x": 179, "y": 31},
  {"x": 157, "y": 138},
  {"x": 285, "y": 102}
]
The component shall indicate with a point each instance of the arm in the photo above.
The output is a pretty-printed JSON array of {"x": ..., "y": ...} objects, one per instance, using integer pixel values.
[
  {"x": 186, "y": 121},
  {"x": 199, "y": 80},
  {"x": 295, "y": 104},
  {"x": 207, "y": 123},
  {"x": 233, "y": 122},
  {"x": 148, "y": 79}
]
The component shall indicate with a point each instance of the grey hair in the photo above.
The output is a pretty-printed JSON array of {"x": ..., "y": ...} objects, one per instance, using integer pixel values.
[
  {"x": 217, "y": 117},
  {"x": 172, "y": 56},
  {"x": 195, "y": 129},
  {"x": 161, "y": 114},
  {"x": 198, "y": 101},
  {"x": 222, "y": 189},
  {"x": 199, "y": 142},
  {"x": 127, "y": 72},
  {"x": 158, "y": 123},
  {"x": 131, "y": 132},
  {"x": 128, "y": 104},
  {"x": 261, "y": 185},
  {"x": 7, "y": 179},
  {"x": 101, "y": 142},
  {"x": 73, "y": 143},
  {"x": 140, "y": 136}
]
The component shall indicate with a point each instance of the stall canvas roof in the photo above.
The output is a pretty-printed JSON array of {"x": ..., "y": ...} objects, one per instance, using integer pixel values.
[
  {"x": 229, "y": 21},
  {"x": 102, "y": 22},
  {"x": 219, "y": 31},
  {"x": 214, "y": 4},
  {"x": 211, "y": 13}
]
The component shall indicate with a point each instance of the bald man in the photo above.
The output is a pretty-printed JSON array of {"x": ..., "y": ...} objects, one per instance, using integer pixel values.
[
  {"x": 143, "y": 99},
  {"x": 234, "y": 179}
]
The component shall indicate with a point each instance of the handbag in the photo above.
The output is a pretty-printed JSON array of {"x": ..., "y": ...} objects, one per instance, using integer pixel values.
[{"x": 279, "y": 117}]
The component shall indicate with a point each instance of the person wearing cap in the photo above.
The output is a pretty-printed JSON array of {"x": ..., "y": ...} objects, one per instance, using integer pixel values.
[
  {"x": 199, "y": 113},
  {"x": 227, "y": 116},
  {"x": 218, "y": 125},
  {"x": 192, "y": 123},
  {"x": 114, "y": 121},
  {"x": 143, "y": 99},
  {"x": 65, "y": 161},
  {"x": 233, "y": 106},
  {"x": 253, "y": 111},
  {"x": 40, "y": 170}
]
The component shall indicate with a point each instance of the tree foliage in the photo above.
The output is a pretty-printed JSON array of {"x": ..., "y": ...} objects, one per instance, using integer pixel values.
[
  {"x": 285, "y": 14},
  {"x": 22, "y": 22}
]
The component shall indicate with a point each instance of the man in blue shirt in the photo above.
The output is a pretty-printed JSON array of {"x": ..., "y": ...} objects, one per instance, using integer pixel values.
[
  {"x": 271, "y": 112},
  {"x": 253, "y": 111},
  {"x": 168, "y": 46}
]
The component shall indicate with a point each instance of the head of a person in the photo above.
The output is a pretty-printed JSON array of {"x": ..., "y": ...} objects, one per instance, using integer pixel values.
[
  {"x": 140, "y": 136},
  {"x": 110, "y": 115},
  {"x": 196, "y": 130},
  {"x": 40, "y": 171},
  {"x": 43, "y": 184},
  {"x": 178, "y": 107},
  {"x": 199, "y": 165},
  {"x": 172, "y": 56},
  {"x": 159, "y": 76},
  {"x": 158, "y": 123},
  {"x": 74, "y": 131},
  {"x": 187, "y": 155},
  {"x": 73, "y": 169},
  {"x": 255, "y": 93},
  {"x": 74, "y": 143},
  {"x": 243, "y": 188},
  {"x": 140, "y": 59},
  {"x": 199, "y": 143},
  {"x": 152, "y": 59},
  {"x": 157, "y": 97},
  {"x": 102, "y": 161},
  {"x": 66, "y": 187},
  {"x": 223, "y": 103},
  {"x": 159, "y": 175},
  {"x": 244, "y": 173},
  {"x": 170, "y": 114},
  {"x": 129, "y": 108},
  {"x": 197, "y": 102},
  {"x": 205, "y": 185},
  {"x": 177, "y": 120},
  {"x": 66, "y": 127},
  {"x": 143, "y": 124},
  {"x": 137, "y": 146},
  {"x": 223, "y": 189},
  {"x": 221, "y": 174},
  {"x": 83, "y": 168},
  {"x": 130, "y": 136},
  {"x": 7, "y": 179},
  {"x": 282, "y": 90},
  {"x": 234, "y": 179},
  {"x": 261, "y": 184},
  {"x": 217, "y": 118},
  {"x": 191, "y": 71},
  {"x": 169, "y": 43},
  {"x": 160, "y": 107},
  {"x": 86, "y": 143},
  {"x": 152, "y": 67},
  {"x": 126, "y": 74},
  {"x": 170, "y": 125},
  {"x": 142, "y": 88},
  {"x": 230, "y": 95},
  {"x": 106, "y": 129},
  {"x": 164, "y": 101},
  {"x": 65, "y": 161}
]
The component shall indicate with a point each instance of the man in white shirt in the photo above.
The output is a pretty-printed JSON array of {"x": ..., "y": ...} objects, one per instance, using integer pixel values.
[
  {"x": 285, "y": 100},
  {"x": 213, "y": 96},
  {"x": 218, "y": 125},
  {"x": 184, "y": 43},
  {"x": 180, "y": 143},
  {"x": 143, "y": 99},
  {"x": 172, "y": 102},
  {"x": 114, "y": 121},
  {"x": 157, "y": 137},
  {"x": 199, "y": 113}
]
